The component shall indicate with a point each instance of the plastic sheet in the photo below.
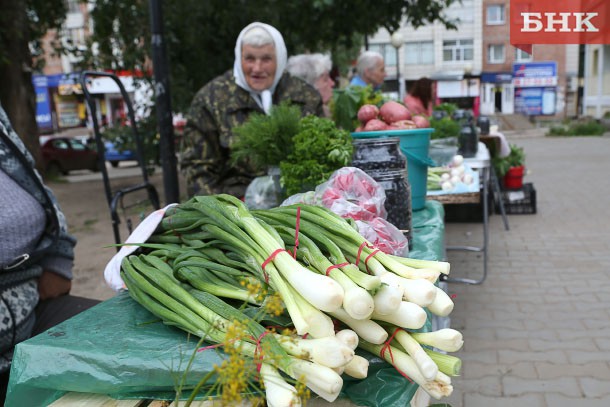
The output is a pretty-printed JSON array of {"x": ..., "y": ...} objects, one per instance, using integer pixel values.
[{"x": 117, "y": 348}]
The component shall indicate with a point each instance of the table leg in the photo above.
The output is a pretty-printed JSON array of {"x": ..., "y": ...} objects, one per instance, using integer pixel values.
[{"x": 483, "y": 248}]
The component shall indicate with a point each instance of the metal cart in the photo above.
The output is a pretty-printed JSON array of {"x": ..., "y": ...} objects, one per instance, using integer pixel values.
[{"x": 116, "y": 198}]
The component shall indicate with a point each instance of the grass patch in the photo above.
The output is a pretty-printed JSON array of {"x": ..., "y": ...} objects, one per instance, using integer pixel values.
[{"x": 579, "y": 128}]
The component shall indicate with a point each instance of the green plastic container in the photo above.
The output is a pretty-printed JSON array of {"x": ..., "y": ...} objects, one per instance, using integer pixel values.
[{"x": 414, "y": 144}]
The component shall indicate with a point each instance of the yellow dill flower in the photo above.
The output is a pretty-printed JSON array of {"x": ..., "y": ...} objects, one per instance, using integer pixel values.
[
  {"x": 274, "y": 305},
  {"x": 303, "y": 391}
]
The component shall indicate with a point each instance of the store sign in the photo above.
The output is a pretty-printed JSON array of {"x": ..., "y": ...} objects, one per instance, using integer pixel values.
[
  {"x": 44, "y": 120},
  {"x": 559, "y": 22},
  {"x": 535, "y": 87},
  {"x": 535, "y": 101},
  {"x": 535, "y": 74}
]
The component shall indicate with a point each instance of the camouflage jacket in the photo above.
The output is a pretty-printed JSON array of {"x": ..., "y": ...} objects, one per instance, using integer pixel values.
[{"x": 216, "y": 109}]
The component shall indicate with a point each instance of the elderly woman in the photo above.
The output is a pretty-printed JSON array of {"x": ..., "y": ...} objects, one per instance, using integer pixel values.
[
  {"x": 256, "y": 82},
  {"x": 370, "y": 70},
  {"x": 315, "y": 70}
]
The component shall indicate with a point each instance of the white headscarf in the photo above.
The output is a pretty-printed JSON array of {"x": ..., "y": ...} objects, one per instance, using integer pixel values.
[{"x": 263, "y": 98}]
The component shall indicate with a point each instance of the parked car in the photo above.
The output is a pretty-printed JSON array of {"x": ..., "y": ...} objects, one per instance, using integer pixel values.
[
  {"x": 60, "y": 155},
  {"x": 114, "y": 156}
]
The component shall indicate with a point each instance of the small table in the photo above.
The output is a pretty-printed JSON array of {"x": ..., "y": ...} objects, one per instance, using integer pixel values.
[{"x": 487, "y": 180}]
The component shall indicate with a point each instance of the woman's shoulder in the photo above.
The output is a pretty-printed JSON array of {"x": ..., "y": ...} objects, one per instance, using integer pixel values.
[
  {"x": 297, "y": 90},
  {"x": 221, "y": 90}
]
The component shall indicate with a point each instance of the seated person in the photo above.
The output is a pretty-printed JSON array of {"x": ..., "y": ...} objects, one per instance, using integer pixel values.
[
  {"x": 315, "y": 70},
  {"x": 36, "y": 253},
  {"x": 256, "y": 82},
  {"x": 370, "y": 70}
]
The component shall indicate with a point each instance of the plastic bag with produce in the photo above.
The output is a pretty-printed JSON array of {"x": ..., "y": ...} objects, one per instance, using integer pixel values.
[
  {"x": 350, "y": 192},
  {"x": 385, "y": 236}
]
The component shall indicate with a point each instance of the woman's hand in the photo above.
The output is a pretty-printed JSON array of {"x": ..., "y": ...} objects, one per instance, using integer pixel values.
[{"x": 52, "y": 285}]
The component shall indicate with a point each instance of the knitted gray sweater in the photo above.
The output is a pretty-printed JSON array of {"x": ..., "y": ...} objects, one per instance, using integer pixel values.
[{"x": 31, "y": 225}]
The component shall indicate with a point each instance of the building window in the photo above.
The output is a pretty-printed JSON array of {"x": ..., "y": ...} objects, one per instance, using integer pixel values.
[
  {"x": 387, "y": 51},
  {"x": 73, "y": 6},
  {"x": 462, "y": 11},
  {"x": 458, "y": 50},
  {"x": 522, "y": 56},
  {"x": 419, "y": 53},
  {"x": 495, "y": 53},
  {"x": 495, "y": 14}
]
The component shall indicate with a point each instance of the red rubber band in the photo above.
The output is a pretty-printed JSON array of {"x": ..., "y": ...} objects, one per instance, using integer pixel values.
[
  {"x": 335, "y": 266},
  {"x": 209, "y": 347},
  {"x": 387, "y": 346},
  {"x": 259, "y": 347},
  {"x": 272, "y": 256},
  {"x": 370, "y": 246},
  {"x": 366, "y": 261}
]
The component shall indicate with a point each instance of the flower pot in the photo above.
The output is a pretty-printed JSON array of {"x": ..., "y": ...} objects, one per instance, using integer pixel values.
[{"x": 514, "y": 177}]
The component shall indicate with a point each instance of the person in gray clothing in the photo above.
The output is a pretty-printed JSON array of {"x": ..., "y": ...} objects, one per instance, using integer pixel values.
[{"x": 36, "y": 252}]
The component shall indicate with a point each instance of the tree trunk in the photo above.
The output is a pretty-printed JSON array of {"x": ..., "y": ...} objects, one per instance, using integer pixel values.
[{"x": 16, "y": 89}]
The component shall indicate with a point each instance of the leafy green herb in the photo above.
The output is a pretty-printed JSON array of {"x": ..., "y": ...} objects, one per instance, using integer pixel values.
[
  {"x": 320, "y": 148},
  {"x": 444, "y": 128},
  {"x": 265, "y": 140},
  {"x": 516, "y": 158}
]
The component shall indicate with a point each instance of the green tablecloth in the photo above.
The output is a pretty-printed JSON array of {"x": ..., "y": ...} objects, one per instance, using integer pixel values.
[{"x": 113, "y": 349}]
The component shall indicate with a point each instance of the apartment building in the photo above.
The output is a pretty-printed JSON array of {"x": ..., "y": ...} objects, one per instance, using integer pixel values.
[
  {"x": 596, "y": 101},
  {"x": 60, "y": 103},
  {"x": 476, "y": 67},
  {"x": 450, "y": 57}
]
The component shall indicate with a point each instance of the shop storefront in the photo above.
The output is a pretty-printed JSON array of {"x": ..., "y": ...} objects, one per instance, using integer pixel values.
[
  {"x": 59, "y": 102},
  {"x": 535, "y": 88},
  {"x": 497, "y": 93},
  {"x": 460, "y": 89}
]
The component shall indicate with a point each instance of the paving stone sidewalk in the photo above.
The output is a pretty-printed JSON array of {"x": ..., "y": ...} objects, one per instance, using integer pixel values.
[{"x": 537, "y": 331}]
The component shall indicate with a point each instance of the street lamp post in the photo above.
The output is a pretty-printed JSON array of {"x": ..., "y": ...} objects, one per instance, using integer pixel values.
[{"x": 397, "y": 39}]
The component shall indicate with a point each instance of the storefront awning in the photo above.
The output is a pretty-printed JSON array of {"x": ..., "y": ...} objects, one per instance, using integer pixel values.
[{"x": 496, "y": 77}]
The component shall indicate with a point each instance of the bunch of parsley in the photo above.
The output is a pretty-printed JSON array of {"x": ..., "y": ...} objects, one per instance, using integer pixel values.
[{"x": 318, "y": 149}]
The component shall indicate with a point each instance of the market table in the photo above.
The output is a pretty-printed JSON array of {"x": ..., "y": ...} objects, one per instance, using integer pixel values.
[
  {"x": 116, "y": 348},
  {"x": 485, "y": 182}
]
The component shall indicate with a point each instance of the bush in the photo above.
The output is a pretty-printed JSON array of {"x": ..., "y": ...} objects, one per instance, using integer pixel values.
[{"x": 586, "y": 128}]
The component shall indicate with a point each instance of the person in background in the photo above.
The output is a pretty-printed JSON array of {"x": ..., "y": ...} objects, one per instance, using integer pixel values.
[
  {"x": 256, "y": 83},
  {"x": 370, "y": 70},
  {"x": 36, "y": 253},
  {"x": 315, "y": 70},
  {"x": 419, "y": 99}
]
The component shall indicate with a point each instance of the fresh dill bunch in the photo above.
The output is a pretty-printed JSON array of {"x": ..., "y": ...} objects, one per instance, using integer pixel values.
[{"x": 265, "y": 140}]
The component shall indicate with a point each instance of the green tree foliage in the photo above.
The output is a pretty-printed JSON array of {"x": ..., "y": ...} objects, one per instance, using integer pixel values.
[
  {"x": 23, "y": 23},
  {"x": 200, "y": 35}
]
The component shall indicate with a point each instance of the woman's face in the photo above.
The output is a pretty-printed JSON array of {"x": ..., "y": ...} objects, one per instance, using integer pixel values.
[
  {"x": 324, "y": 84},
  {"x": 376, "y": 75},
  {"x": 259, "y": 65}
]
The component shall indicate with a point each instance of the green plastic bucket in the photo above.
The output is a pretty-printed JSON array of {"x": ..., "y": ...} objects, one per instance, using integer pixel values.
[{"x": 414, "y": 144}]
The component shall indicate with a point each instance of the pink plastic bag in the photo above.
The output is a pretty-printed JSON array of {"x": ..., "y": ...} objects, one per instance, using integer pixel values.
[
  {"x": 385, "y": 236},
  {"x": 351, "y": 193}
]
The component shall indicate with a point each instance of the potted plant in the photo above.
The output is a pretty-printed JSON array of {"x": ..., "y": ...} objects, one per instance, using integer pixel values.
[{"x": 511, "y": 168}]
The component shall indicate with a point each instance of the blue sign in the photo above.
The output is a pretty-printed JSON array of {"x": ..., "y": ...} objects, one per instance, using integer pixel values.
[
  {"x": 534, "y": 69},
  {"x": 43, "y": 105},
  {"x": 535, "y": 101},
  {"x": 496, "y": 77},
  {"x": 535, "y": 74}
]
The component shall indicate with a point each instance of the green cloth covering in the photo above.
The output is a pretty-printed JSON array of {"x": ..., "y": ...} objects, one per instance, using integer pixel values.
[{"x": 118, "y": 348}]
